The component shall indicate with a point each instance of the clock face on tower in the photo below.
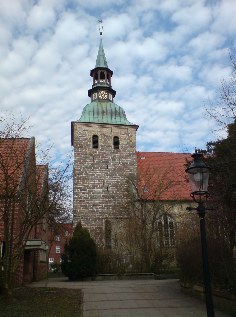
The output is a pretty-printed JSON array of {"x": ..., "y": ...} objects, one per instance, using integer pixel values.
[{"x": 103, "y": 94}]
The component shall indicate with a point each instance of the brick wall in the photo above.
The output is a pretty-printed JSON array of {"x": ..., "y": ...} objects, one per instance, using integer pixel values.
[
  {"x": 100, "y": 174},
  {"x": 31, "y": 264},
  {"x": 64, "y": 234}
]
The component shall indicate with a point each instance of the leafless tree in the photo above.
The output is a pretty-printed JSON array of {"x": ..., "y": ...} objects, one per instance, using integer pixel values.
[
  {"x": 141, "y": 237},
  {"x": 32, "y": 198},
  {"x": 221, "y": 222},
  {"x": 223, "y": 109}
]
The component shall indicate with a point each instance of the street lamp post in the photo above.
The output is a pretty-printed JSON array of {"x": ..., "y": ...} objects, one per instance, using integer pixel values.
[{"x": 198, "y": 173}]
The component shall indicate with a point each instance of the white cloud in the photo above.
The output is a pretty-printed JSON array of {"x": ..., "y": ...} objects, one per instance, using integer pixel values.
[
  {"x": 47, "y": 57},
  {"x": 25, "y": 46},
  {"x": 69, "y": 30},
  {"x": 5, "y": 37},
  {"x": 168, "y": 58},
  {"x": 205, "y": 42},
  {"x": 13, "y": 13},
  {"x": 192, "y": 95},
  {"x": 40, "y": 18},
  {"x": 97, "y": 4},
  {"x": 224, "y": 13},
  {"x": 174, "y": 73},
  {"x": 169, "y": 6},
  {"x": 13, "y": 64},
  {"x": 193, "y": 16},
  {"x": 215, "y": 73},
  {"x": 119, "y": 26}
]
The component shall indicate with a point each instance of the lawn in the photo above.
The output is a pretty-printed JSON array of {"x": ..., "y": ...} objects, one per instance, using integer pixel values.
[{"x": 43, "y": 302}]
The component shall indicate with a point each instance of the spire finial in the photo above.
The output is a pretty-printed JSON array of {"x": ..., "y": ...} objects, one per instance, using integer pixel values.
[
  {"x": 101, "y": 58},
  {"x": 100, "y": 27}
]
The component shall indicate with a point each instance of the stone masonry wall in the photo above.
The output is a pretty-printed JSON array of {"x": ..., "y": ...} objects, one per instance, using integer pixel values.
[{"x": 100, "y": 175}]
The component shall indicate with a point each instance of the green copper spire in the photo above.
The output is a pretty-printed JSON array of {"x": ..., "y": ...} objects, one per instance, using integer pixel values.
[
  {"x": 102, "y": 109},
  {"x": 101, "y": 58}
]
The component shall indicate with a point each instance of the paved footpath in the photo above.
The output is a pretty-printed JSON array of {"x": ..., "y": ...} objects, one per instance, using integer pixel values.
[{"x": 134, "y": 298}]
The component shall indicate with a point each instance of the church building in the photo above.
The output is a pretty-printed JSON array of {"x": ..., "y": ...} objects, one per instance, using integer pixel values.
[
  {"x": 104, "y": 144},
  {"x": 105, "y": 156}
]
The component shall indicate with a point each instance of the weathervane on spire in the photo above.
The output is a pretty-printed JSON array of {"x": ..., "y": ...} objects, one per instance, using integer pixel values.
[{"x": 100, "y": 27}]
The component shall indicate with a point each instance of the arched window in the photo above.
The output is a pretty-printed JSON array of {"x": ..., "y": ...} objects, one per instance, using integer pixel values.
[
  {"x": 102, "y": 75},
  {"x": 95, "y": 142},
  {"x": 108, "y": 234},
  {"x": 166, "y": 231},
  {"x": 116, "y": 143}
]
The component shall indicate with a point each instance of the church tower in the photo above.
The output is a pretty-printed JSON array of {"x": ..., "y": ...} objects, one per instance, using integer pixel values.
[{"x": 104, "y": 144}]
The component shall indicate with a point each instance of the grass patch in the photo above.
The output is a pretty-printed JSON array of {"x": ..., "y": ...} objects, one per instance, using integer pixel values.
[{"x": 43, "y": 302}]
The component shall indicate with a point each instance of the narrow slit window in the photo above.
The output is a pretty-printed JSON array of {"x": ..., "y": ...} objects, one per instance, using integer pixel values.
[
  {"x": 95, "y": 141},
  {"x": 108, "y": 231},
  {"x": 116, "y": 142}
]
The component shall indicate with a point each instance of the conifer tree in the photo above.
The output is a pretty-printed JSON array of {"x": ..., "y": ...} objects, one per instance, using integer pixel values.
[{"x": 79, "y": 258}]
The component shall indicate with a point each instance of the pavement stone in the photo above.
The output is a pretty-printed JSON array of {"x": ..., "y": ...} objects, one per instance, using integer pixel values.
[{"x": 134, "y": 298}]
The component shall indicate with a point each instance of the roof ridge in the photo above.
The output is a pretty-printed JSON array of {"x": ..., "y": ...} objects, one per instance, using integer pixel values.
[
  {"x": 164, "y": 152},
  {"x": 16, "y": 138}
]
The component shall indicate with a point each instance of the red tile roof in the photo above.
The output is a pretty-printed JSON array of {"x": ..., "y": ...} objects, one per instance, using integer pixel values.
[{"x": 162, "y": 176}]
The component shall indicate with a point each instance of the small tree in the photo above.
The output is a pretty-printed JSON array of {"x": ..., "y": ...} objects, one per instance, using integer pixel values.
[
  {"x": 140, "y": 238},
  {"x": 223, "y": 109},
  {"x": 79, "y": 258},
  {"x": 222, "y": 187},
  {"x": 221, "y": 222}
]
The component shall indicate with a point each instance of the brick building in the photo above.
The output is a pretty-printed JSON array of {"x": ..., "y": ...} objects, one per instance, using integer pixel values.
[
  {"x": 23, "y": 234},
  {"x": 105, "y": 155},
  {"x": 58, "y": 240}
]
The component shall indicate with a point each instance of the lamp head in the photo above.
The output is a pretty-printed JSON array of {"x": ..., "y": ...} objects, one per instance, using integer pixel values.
[{"x": 198, "y": 173}]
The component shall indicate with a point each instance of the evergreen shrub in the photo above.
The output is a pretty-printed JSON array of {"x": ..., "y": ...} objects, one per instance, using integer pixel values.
[{"x": 79, "y": 258}]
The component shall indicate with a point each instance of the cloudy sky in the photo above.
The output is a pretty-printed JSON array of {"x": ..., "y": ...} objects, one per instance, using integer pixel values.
[{"x": 168, "y": 57}]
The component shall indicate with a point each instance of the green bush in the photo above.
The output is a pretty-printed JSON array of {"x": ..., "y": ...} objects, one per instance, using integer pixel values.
[{"x": 79, "y": 258}]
